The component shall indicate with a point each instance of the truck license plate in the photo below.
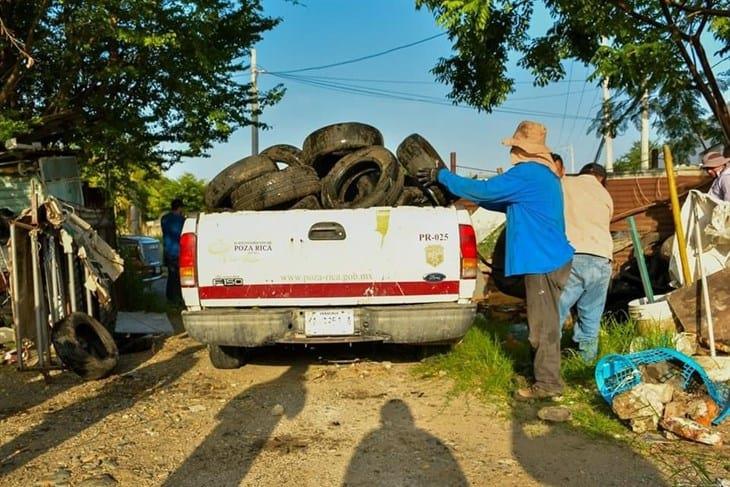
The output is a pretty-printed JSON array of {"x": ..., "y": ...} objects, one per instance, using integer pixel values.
[{"x": 329, "y": 322}]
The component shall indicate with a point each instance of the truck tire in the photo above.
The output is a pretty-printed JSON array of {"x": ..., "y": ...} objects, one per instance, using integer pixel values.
[
  {"x": 284, "y": 153},
  {"x": 323, "y": 148},
  {"x": 223, "y": 357},
  {"x": 276, "y": 189},
  {"x": 219, "y": 189},
  {"x": 412, "y": 196},
  {"x": 436, "y": 196},
  {"x": 85, "y": 346},
  {"x": 337, "y": 185},
  {"x": 416, "y": 153},
  {"x": 309, "y": 203}
]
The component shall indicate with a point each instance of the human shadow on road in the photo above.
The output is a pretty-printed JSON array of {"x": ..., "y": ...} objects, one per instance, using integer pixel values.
[
  {"x": 400, "y": 453},
  {"x": 554, "y": 455},
  {"x": 120, "y": 393},
  {"x": 244, "y": 430}
]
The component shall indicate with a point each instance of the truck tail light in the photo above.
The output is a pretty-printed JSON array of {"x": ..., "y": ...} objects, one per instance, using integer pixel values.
[
  {"x": 188, "y": 260},
  {"x": 468, "y": 244}
]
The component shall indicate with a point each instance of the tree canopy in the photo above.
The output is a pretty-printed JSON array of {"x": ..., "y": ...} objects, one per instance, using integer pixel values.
[
  {"x": 132, "y": 83},
  {"x": 631, "y": 160},
  {"x": 654, "y": 46}
]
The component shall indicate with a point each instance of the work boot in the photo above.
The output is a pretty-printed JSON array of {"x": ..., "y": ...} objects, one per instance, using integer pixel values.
[
  {"x": 535, "y": 392},
  {"x": 588, "y": 350}
]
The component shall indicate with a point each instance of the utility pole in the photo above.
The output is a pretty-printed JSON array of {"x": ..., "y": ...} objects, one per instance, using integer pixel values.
[
  {"x": 607, "y": 121},
  {"x": 572, "y": 159},
  {"x": 452, "y": 162},
  {"x": 645, "y": 131},
  {"x": 254, "y": 105}
]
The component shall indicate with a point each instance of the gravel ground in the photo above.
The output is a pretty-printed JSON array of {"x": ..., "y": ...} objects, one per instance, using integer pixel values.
[{"x": 302, "y": 417}]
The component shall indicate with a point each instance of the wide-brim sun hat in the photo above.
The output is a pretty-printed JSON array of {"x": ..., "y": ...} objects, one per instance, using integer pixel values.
[
  {"x": 530, "y": 137},
  {"x": 714, "y": 159}
]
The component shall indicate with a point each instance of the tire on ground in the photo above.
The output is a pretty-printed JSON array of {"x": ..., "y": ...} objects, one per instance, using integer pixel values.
[
  {"x": 223, "y": 357},
  {"x": 85, "y": 346},
  {"x": 340, "y": 188},
  {"x": 276, "y": 189},
  {"x": 284, "y": 153},
  {"x": 323, "y": 148},
  {"x": 415, "y": 153},
  {"x": 311, "y": 202},
  {"x": 219, "y": 189}
]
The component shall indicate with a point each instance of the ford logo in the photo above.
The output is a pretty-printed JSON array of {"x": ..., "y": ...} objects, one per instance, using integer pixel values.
[{"x": 434, "y": 277}]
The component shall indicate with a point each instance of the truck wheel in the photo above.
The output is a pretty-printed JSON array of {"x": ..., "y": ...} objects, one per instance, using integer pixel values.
[
  {"x": 309, "y": 203},
  {"x": 275, "y": 189},
  {"x": 85, "y": 346},
  {"x": 337, "y": 187},
  {"x": 219, "y": 189},
  {"x": 416, "y": 153},
  {"x": 223, "y": 357},
  {"x": 324, "y": 147},
  {"x": 284, "y": 153}
]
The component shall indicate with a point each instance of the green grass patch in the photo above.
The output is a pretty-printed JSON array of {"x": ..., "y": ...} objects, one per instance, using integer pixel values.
[
  {"x": 489, "y": 359},
  {"x": 478, "y": 364}
]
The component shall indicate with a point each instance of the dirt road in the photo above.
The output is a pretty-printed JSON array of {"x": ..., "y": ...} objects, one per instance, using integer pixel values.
[{"x": 288, "y": 418}]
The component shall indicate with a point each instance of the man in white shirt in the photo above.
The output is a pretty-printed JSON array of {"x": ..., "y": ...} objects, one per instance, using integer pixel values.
[{"x": 588, "y": 213}]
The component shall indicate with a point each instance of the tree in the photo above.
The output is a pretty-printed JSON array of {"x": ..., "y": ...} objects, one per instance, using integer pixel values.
[
  {"x": 631, "y": 161},
  {"x": 654, "y": 46},
  {"x": 129, "y": 83},
  {"x": 160, "y": 194}
]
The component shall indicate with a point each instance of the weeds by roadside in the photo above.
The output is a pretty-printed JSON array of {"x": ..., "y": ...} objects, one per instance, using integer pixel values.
[{"x": 489, "y": 358}]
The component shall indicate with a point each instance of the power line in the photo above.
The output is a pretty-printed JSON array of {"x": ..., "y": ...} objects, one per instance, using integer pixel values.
[
  {"x": 401, "y": 81},
  {"x": 577, "y": 111},
  {"x": 361, "y": 58},
  {"x": 385, "y": 94},
  {"x": 567, "y": 98}
]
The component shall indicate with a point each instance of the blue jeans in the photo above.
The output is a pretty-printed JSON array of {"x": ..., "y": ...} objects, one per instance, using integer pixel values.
[{"x": 586, "y": 289}]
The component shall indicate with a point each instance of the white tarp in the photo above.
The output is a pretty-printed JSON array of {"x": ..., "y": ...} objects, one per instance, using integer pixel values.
[
  {"x": 485, "y": 222},
  {"x": 713, "y": 217}
]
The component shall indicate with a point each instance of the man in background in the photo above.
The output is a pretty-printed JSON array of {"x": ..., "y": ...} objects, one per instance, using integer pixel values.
[
  {"x": 716, "y": 166},
  {"x": 588, "y": 213},
  {"x": 172, "y": 225},
  {"x": 536, "y": 245}
]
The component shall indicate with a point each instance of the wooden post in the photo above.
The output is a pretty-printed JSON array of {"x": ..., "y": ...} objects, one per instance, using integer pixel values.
[
  {"x": 452, "y": 160},
  {"x": 678, "y": 230}
]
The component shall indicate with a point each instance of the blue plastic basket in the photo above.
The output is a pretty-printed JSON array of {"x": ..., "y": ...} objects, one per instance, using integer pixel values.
[{"x": 619, "y": 373}]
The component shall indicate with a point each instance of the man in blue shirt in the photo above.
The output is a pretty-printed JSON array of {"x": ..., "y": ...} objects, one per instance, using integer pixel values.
[
  {"x": 172, "y": 225},
  {"x": 536, "y": 248}
]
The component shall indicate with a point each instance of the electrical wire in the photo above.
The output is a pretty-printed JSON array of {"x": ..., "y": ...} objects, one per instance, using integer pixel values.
[
  {"x": 577, "y": 112},
  {"x": 567, "y": 98},
  {"x": 395, "y": 81},
  {"x": 361, "y": 58},
  {"x": 386, "y": 94}
]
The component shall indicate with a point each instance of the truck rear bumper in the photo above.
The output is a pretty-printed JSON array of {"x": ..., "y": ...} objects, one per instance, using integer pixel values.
[{"x": 412, "y": 324}]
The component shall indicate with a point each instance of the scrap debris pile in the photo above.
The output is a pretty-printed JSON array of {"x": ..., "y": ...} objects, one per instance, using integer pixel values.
[
  {"x": 343, "y": 165},
  {"x": 670, "y": 395}
]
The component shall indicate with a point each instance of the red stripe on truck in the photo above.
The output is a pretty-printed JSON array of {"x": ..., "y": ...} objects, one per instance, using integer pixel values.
[{"x": 329, "y": 290}]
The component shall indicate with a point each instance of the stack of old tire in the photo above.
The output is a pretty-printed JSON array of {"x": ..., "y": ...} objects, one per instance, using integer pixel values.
[{"x": 344, "y": 165}]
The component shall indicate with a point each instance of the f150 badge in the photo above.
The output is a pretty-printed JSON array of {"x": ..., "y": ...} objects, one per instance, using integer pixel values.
[
  {"x": 434, "y": 255},
  {"x": 228, "y": 281}
]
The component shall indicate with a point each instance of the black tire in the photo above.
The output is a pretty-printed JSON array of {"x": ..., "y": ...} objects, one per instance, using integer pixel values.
[
  {"x": 85, "y": 346},
  {"x": 276, "y": 189},
  {"x": 223, "y": 357},
  {"x": 337, "y": 191},
  {"x": 323, "y": 148},
  {"x": 311, "y": 202},
  {"x": 411, "y": 196},
  {"x": 437, "y": 196},
  {"x": 284, "y": 153},
  {"x": 219, "y": 189},
  {"x": 416, "y": 153}
]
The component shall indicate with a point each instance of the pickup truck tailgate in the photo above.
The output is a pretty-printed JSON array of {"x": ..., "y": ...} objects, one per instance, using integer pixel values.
[{"x": 329, "y": 257}]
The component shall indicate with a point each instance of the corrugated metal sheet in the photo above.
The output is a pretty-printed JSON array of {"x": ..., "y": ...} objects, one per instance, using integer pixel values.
[{"x": 15, "y": 192}]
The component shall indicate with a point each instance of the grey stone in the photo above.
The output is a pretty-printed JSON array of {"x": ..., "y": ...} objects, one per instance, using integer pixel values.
[
  {"x": 555, "y": 414},
  {"x": 104, "y": 480}
]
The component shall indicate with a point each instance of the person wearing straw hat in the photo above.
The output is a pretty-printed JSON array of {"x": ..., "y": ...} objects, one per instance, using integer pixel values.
[
  {"x": 536, "y": 246},
  {"x": 716, "y": 166}
]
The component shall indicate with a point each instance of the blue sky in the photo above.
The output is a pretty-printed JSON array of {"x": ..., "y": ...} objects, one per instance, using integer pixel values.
[{"x": 327, "y": 31}]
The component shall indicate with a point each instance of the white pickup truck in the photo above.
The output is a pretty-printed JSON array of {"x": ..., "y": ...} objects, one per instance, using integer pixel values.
[{"x": 399, "y": 275}]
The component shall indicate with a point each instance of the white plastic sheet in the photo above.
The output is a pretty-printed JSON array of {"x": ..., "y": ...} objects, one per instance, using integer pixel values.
[{"x": 713, "y": 217}]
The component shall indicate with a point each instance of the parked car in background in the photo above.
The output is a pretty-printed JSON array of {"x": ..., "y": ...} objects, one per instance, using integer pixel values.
[{"x": 145, "y": 254}]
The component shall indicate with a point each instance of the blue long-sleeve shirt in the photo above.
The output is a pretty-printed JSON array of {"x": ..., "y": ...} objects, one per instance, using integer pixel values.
[
  {"x": 172, "y": 225},
  {"x": 531, "y": 196}
]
